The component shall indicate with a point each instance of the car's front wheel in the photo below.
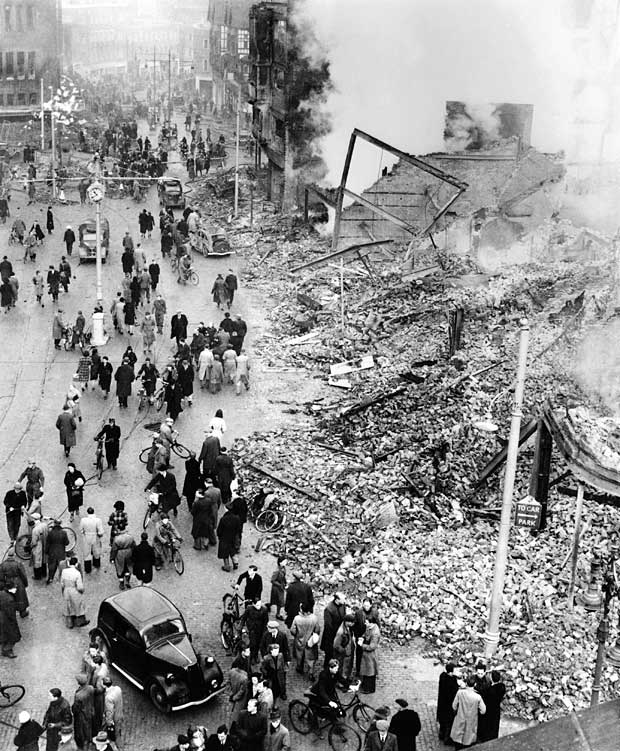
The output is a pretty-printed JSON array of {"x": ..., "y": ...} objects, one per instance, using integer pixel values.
[{"x": 158, "y": 696}]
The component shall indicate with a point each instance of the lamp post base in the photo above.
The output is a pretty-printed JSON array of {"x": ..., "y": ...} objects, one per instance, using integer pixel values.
[
  {"x": 491, "y": 640},
  {"x": 99, "y": 337}
]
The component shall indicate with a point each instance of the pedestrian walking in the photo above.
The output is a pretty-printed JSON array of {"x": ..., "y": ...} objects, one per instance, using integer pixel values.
[
  {"x": 124, "y": 377},
  {"x": 6, "y": 297},
  {"x": 121, "y": 554},
  {"x": 298, "y": 593},
  {"x": 39, "y": 287},
  {"x": 91, "y": 531},
  {"x": 66, "y": 426},
  {"x": 129, "y": 316},
  {"x": 251, "y": 728},
  {"x": 238, "y": 680},
  {"x": 255, "y": 619},
  {"x": 111, "y": 434},
  {"x": 305, "y": 632},
  {"x": 72, "y": 588},
  {"x": 27, "y": 737},
  {"x": 58, "y": 326},
  {"x": 38, "y": 545},
  {"x": 278, "y": 587},
  {"x": 58, "y": 713},
  {"x": 154, "y": 273},
  {"x": 74, "y": 486},
  {"x": 143, "y": 560},
  {"x": 13, "y": 578},
  {"x": 344, "y": 647},
  {"x": 64, "y": 270},
  {"x": 359, "y": 627},
  {"x": 49, "y": 220},
  {"x": 178, "y": 326},
  {"x": 278, "y": 737},
  {"x": 117, "y": 520},
  {"x": 193, "y": 479},
  {"x": 220, "y": 292},
  {"x": 9, "y": 629},
  {"x": 14, "y": 285},
  {"x": 232, "y": 284},
  {"x": 228, "y": 532},
  {"x": 69, "y": 239},
  {"x": 159, "y": 309},
  {"x": 83, "y": 709},
  {"x": 217, "y": 426},
  {"x": 78, "y": 330},
  {"x": 55, "y": 547},
  {"x": 242, "y": 372},
  {"x": 95, "y": 365},
  {"x": 53, "y": 284},
  {"x": 145, "y": 287},
  {"x": 205, "y": 363},
  {"x": 333, "y": 615},
  {"x": 113, "y": 711},
  {"x": 468, "y": 706},
  {"x": 209, "y": 452},
  {"x": 100, "y": 672},
  {"x": 369, "y": 666},
  {"x": 15, "y": 502},
  {"x": 229, "y": 363},
  {"x": 447, "y": 690},
  {"x": 104, "y": 377},
  {"x": 35, "y": 479},
  {"x": 405, "y": 725},
  {"x": 216, "y": 375},
  {"x": 273, "y": 668}
]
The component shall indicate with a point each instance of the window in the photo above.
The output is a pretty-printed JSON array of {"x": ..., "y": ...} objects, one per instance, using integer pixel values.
[
  {"x": 279, "y": 127},
  {"x": 21, "y": 99},
  {"x": 205, "y": 66},
  {"x": 205, "y": 44},
  {"x": 223, "y": 39},
  {"x": 29, "y": 17},
  {"x": 8, "y": 26},
  {"x": 21, "y": 64},
  {"x": 133, "y": 637},
  {"x": 31, "y": 66},
  {"x": 10, "y": 100},
  {"x": 34, "y": 98},
  {"x": 164, "y": 630},
  {"x": 10, "y": 65},
  {"x": 243, "y": 42},
  {"x": 1, "y": 65},
  {"x": 19, "y": 21}
]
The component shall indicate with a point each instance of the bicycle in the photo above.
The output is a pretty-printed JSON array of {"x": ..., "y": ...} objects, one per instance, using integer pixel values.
[
  {"x": 153, "y": 507},
  {"x": 11, "y": 694},
  {"x": 99, "y": 457},
  {"x": 172, "y": 553},
  {"x": 23, "y": 544},
  {"x": 191, "y": 276},
  {"x": 305, "y": 719},
  {"x": 178, "y": 448},
  {"x": 157, "y": 398},
  {"x": 231, "y": 630},
  {"x": 265, "y": 512}
]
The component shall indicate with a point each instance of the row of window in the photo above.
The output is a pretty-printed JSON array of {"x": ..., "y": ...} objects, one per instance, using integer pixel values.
[
  {"x": 18, "y": 17},
  {"x": 17, "y": 64},
  {"x": 227, "y": 41},
  {"x": 20, "y": 99}
]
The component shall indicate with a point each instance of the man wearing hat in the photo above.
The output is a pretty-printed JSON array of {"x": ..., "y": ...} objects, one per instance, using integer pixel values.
[
  {"x": 278, "y": 737},
  {"x": 15, "y": 501},
  {"x": 66, "y": 739},
  {"x": 102, "y": 742},
  {"x": 91, "y": 529},
  {"x": 297, "y": 592},
  {"x": 58, "y": 714},
  {"x": 178, "y": 326},
  {"x": 381, "y": 739},
  {"x": 27, "y": 738},
  {"x": 251, "y": 727},
  {"x": 405, "y": 725},
  {"x": 56, "y": 546},
  {"x": 38, "y": 542},
  {"x": 113, "y": 710},
  {"x": 208, "y": 454},
  {"x": 273, "y": 635},
  {"x": 182, "y": 744},
  {"x": 35, "y": 479},
  {"x": 13, "y": 574}
]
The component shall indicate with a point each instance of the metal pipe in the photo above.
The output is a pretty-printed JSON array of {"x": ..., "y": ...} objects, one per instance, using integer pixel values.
[
  {"x": 169, "y": 90},
  {"x": 575, "y": 553},
  {"x": 42, "y": 118},
  {"x": 491, "y": 636},
  {"x": 53, "y": 163}
]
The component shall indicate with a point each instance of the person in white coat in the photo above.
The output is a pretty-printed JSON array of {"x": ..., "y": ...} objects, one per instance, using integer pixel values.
[
  {"x": 218, "y": 425},
  {"x": 91, "y": 529},
  {"x": 72, "y": 588},
  {"x": 205, "y": 362},
  {"x": 113, "y": 711}
]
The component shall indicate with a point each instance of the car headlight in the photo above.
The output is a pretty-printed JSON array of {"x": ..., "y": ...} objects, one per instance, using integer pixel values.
[
  {"x": 215, "y": 683},
  {"x": 169, "y": 678},
  {"x": 209, "y": 660}
]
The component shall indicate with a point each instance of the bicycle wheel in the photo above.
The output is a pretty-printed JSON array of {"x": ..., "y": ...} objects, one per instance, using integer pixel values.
[
  {"x": 343, "y": 737},
  {"x": 180, "y": 450},
  {"x": 363, "y": 714},
  {"x": 193, "y": 278},
  {"x": 227, "y": 634},
  {"x": 265, "y": 520},
  {"x": 70, "y": 546},
  {"x": 144, "y": 455},
  {"x": 23, "y": 547},
  {"x": 301, "y": 716},
  {"x": 159, "y": 402},
  {"x": 10, "y": 695},
  {"x": 174, "y": 264},
  {"x": 178, "y": 562}
]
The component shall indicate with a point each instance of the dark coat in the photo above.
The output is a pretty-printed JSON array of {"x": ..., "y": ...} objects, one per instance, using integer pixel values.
[
  {"x": 16, "y": 500},
  {"x": 279, "y": 639},
  {"x": 27, "y": 738},
  {"x": 49, "y": 223},
  {"x": 298, "y": 592},
  {"x": 127, "y": 260},
  {"x": 56, "y": 544},
  {"x": 251, "y": 730},
  {"x": 253, "y": 587},
  {"x": 333, "y": 615},
  {"x": 185, "y": 377},
  {"x": 9, "y": 630},
  {"x": 143, "y": 562},
  {"x": 66, "y": 429},
  {"x": 193, "y": 479},
  {"x": 124, "y": 377},
  {"x": 13, "y": 574},
  {"x": 373, "y": 742},
  {"x": 105, "y": 375},
  {"x": 130, "y": 313},
  {"x": 274, "y": 670},
  {"x": 488, "y": 723},
  {"x": 75, "y": 496},
  {"x": 69, "y": 237},
  {"x": 154, "y": 271},
  {"x": 84, "y": 715},
  {"x": 405, "y": 725},
  {"x": 204, "y": 512},
  {"x": 228, "y": 530},
  {"x": 208, "y": 454},
  {"x": 448, "y": 687},
  {"x": 167, "y": 486},
  {"x": 178, "y": 326},
  {"x": 224, "y": 470}
]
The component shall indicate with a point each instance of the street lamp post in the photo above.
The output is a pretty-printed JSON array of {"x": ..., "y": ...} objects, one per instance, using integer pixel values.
[
  {"x": 95, "y": 194},
  {"x": 491, "y": 636}
]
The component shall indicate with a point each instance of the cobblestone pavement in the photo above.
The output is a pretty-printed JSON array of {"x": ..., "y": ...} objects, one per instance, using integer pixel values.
[{"x": 33, "y": 380}]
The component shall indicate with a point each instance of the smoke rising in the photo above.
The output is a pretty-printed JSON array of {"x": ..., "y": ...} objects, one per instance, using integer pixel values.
[{"x": 394, "y": 64}]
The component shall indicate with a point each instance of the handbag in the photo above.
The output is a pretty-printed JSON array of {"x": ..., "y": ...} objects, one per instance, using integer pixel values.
[{"x": 313, "y": 640}]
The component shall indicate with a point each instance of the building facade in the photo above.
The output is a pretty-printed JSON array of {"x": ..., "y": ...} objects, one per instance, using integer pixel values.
[
  {"x": 229, "y": 50},
  {"x": 268, "y": 95},
  {"x": 30, "y": 52}
]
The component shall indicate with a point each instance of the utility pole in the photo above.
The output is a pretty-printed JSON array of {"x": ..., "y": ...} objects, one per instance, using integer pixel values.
[
  {"x": 42, "y": 117},
  {"x": 169, "y": 89},
  {"x": 491, "y": 635},
  {"x": 154, "y": 79},
  {"x": 237, "y": 151},
  {"x": 53, "y": 162}
]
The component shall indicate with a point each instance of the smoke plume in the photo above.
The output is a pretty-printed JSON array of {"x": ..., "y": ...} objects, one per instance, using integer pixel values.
[{"x": 394, "y": 64}]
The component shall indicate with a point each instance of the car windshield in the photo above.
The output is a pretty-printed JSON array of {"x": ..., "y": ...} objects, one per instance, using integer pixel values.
[{"x": 163, "y": 631}]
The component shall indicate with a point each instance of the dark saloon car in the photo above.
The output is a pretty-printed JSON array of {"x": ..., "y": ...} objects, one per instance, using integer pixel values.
[{"x": 146, "y": 639}]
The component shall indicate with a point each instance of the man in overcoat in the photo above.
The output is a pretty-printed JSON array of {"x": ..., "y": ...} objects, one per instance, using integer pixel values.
[
  {"x": 297, "y": 592},
  {"x": 333, "y": 615},
  {"x": 228, "y": 530},
  {"x": 178, "y": 326},
  {"x": 124, "y": 377},
  {"x": 405, "y": 725},
  {"x": 381, "y": 739},
  {"x": 448, "y": 686},
  {"x": 66, "y": 425},
  {"x": 9, "y": 630},
  {"x": 58, "y": 714}
]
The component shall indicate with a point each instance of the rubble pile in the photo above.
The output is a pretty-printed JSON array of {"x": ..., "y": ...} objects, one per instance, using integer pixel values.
[{"x": 382, "y": 494}]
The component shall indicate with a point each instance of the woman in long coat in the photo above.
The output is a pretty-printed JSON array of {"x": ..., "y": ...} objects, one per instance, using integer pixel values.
[
  {"x": 130, "y": 315},
  {"x": 105, "y": 376},
  {"x": 6, "y": 296},
  {"x": 220, "y": 291},
  {"x": 228, "y": 529},
  {"x": 174, "y": 396},
  {"x": 305, "y": 632},
  {"x": 95, "y": 364},
  {"x": 83, "y": 709},
  {"x": 185, "y": 377},
  {"x": 193, "y": 479},
  {"x": 369, "y": 666}
]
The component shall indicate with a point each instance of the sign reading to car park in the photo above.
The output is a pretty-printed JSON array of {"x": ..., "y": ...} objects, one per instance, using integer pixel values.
[{"x": 527, "y": 512}]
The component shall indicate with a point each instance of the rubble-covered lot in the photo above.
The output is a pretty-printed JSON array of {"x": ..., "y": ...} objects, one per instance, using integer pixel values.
[{"x": 381, "y": 493}]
